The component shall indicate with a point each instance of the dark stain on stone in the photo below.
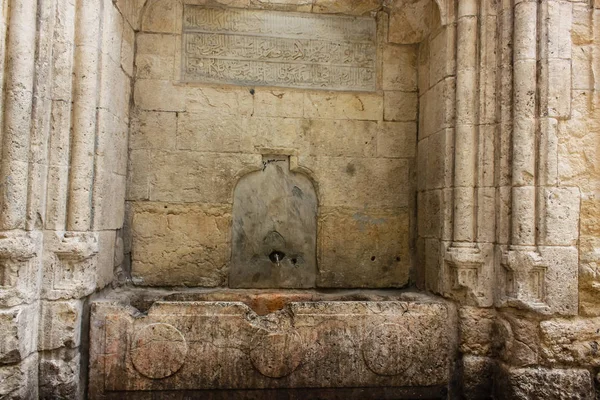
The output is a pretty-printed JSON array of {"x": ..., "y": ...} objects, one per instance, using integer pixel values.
[{"x": 350, "y": 169}]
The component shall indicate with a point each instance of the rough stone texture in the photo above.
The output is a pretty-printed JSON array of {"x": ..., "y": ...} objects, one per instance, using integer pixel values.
[
  {"x": 540, "y": 383},
  {"x": 571, "y": 342},
  {"x": 321, "y": 344},
  {"x": 179, "y": 244}
]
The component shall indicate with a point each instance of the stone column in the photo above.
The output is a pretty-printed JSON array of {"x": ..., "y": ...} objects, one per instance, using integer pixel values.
[
  {"x": 20, "y": 68},
  {"x": 85, "y": 101},
  {"x": 464, "y": 257}
]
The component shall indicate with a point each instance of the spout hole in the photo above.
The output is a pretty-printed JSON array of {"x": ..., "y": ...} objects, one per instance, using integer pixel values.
[
  {"x": 373, "y": 258},
  {"x": 276, "y": 256},
  {"x": 294, "y": 260},
  {"x": 397, "y": 258}
]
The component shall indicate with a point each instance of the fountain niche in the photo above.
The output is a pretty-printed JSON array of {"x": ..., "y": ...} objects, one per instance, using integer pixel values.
[{"x": 271, "y": 214}]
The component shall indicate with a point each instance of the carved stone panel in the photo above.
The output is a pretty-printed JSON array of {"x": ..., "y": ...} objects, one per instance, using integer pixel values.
[
  {"x": 405, "y": 341},
  {"x": 272, "y": 48},
  {"x": 274, "y": 228}
]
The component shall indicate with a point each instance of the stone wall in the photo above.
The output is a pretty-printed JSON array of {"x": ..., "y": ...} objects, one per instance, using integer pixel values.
[
  {"x": 67, "y": 84},
  {"x": 191, "y": 142},
  {"x": 478, "y": 152}
]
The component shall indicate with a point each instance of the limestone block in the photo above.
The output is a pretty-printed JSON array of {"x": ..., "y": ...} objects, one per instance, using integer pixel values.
[
  {"x": 556, "y": 94},
  {"x": 560, "y": 225},
  {"x": 397, "y": 139},
  {"x": 260, "y": 134},
  {"x": 162, "y": 16},
  {"x": 363, "y": 249},
  {"x": 582, "y": 28},
  {"x": 17, "y": 333},
  {"x": 442, "y": 55},
  {"x": 423, "y": 66},
  {"x": 400, "y": 68},
  {"x": 108, "y": 199},
  {"x": 155, "y": 56},
  {"x": 429, "y": 213},
  {"x": 60, "y": 375},
  {"x": 476, "y": 330},
  {"x": 517, "y": 339},
  {"x": 541, "y": 383},
  {"x": 331, "y": 105},
  {"x": 571, "y": 341},
  {"x": 561, "y": 278},
  {"x": 157, "y": 95},
  {"x": 131, "y": 11},
  {"x": 139, "y": 175},
  {"x": 115, "y": 89},
  {"x": 346, "y": 7},
  {"x": 338, "y": 138},
  {"x": 180, "y": 245},
  {"x": 309, "y": 344},
  {"x": 278, "y": 103},
  {"x": 19, "y": 254},
  {"x": 582, "y": 74},
  {"x": 127, "y": 49},
  {"x": 437, "y": 108},
  {"x": 433, "y": 265},
  {"x": 112, "y": 32},
  {"x": 205, "y": 132},
  {"x": 106, "y": 258},
  {"x": 111, "y": 143},
  {"x": 20, "y": 381},
  {"x": 435, "y": 160},
  {"x": 200, "y": 177},
  {"x": 69, "y": 264},
  {"x": 409, "y": 20},
  {"x": 400, "y": 106},
  {"x": 60, "y": 324},
  {"x": 218, "y": 101},
  {"x": 478, "y": 377},
  {"x": 377, "y": 182},
  {"x": 153, "y": 130}
]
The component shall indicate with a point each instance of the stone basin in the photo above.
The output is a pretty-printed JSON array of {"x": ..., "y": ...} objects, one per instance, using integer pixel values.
[{"x": 271, "y": 344}]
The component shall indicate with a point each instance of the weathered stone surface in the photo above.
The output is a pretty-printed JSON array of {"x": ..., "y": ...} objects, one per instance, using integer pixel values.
[
  {"x": 541, "y": 383},
  {"x": 399, "y": 68},
  {"x": 476, "y": 330},
  {"x": 60, "y": 375},
  {"x": 571, "y": 342},
  {"x": 388, "y": 178},
  {"x": 409, "y": 20},
  {"x": 333, "y": 105},
  {"x": 20, "y": 381},
  {"x": 363, "y": 249},
  {"x": 324, "y": 344},
  {"x": 477, "y": 377},
  {"x": 17, "y": 330},
  {"x": 60, "y": 324},
  {"x": 400, "y": 106},
  {"x": 180, "y": 245},
  {"x": 274, "y": 234}
]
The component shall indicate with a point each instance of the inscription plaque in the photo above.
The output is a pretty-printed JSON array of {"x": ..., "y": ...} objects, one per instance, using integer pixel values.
[{"x": 273, "y": 48}]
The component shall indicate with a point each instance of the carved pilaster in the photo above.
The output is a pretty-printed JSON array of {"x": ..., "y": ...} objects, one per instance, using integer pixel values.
[
  {"x": 525, "y": 282},
  {"x": 18, "y": 275},
  {"x": 71, "y": 265}
]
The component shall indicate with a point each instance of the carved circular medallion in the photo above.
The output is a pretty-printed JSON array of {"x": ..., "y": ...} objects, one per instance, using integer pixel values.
[
  {"x": 387, "y": 349},
  {"x": 158, "y": 351},
  {"x": 278, "y": 354}
]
